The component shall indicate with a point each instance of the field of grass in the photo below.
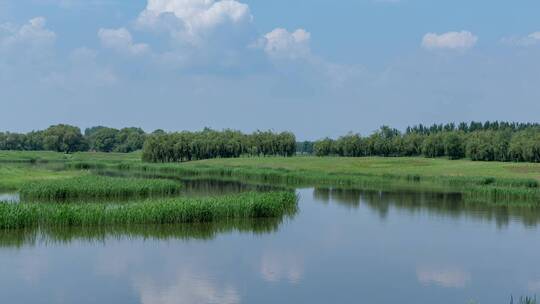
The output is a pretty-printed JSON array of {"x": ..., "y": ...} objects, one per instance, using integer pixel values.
[
  {"x": 335, "y": 165},
  {"x": 48, "y": 156},
  {"x": 152, "y": 211},
  {"x": 96, "y": 187},
  {"x": 13, "y": 176},
  {"x": 381, "y": 166}
]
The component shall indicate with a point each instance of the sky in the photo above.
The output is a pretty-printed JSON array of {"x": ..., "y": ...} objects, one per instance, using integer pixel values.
[{"x": 314, "y": 67}]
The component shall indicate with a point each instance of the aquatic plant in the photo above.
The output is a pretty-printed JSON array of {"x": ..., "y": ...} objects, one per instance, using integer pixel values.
[
  {"x": 150, "y": 211},
  {"x": 91, "y": 186}
]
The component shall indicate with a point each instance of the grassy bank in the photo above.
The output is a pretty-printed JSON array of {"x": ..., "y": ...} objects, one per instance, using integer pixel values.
[
  {"x": 152, "y": 211},
  {"x": 96, "y": 187}
]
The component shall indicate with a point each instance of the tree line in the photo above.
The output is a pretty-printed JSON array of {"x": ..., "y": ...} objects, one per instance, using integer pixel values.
[
  {"x": 208, "y": 143},
  {"x": 489, "y": 141},
  {"x": 67, "y": 139}
]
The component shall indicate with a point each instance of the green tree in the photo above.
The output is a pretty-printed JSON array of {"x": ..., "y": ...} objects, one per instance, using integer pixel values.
[{"x": 64, "y": 138}]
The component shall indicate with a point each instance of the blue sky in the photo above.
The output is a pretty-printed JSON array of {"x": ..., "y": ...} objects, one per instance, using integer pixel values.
[{"x": 317, "y": 68}]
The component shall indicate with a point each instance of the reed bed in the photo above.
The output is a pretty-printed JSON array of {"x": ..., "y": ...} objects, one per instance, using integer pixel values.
[
  {"x": 96, "y": 187},
  {"x": 151, "y": 211}
]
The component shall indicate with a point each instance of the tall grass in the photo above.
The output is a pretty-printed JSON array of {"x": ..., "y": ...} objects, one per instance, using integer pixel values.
[
  {"x": 151, "y": 211},
  {"x": 99, "y": 187}
]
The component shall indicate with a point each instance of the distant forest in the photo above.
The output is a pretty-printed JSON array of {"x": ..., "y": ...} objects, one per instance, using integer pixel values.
[
  {"x": 489, "y": 141},
  {"x": 66, "y": 138},
  {"x": 157, "y": 146}
]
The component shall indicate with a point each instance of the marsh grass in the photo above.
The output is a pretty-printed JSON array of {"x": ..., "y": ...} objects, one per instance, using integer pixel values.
[
  {"x": 96, "y": 187},
  {"x": 151, "y": 211}
]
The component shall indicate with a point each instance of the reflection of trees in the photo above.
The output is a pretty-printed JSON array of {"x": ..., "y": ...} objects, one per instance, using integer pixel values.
[
  {"x": 200, "y": 187},
  {"x": 447, "y": 204},
  {"x": 200, "y": 231}
]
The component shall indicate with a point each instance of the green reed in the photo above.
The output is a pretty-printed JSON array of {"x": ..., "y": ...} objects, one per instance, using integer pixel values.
[
  {"x": 150, "y": 211},
  {"x": 98, "y": 187}
]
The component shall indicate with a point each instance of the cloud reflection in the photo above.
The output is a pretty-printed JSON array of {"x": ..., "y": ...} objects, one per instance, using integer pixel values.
[
  {"x": 187, "y": 288},
  {"x": 444, "y": 277},
  {"x": 277, "y": 267}
]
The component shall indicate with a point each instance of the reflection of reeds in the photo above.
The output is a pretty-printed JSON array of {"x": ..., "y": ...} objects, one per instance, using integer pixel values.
[
  {"x": 100, "y": 187},
  {"x": 524, "y": 300},
  {"x": 151, "y": 211},
  {"x": 185, "y": 231}
]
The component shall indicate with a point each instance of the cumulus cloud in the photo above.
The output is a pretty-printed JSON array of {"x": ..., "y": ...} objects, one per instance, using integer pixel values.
[
  {"x": 190, "y": 20},
  {"x": 459, "y": 41},
  {"x": 531, "y": 39},
  {"x": 33, "y": 36},
  {"x": 121, "y": 41},
  {"x": 281, "y": 43}
]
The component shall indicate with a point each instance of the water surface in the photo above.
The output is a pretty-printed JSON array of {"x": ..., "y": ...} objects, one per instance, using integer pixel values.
[{"x": 343, "y": 246}]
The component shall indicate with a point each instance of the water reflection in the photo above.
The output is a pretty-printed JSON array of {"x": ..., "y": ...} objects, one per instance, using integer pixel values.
[
  {"x": 277, "y": 266},
  {"x": 185, "y": 288},
  {"x": 443, "y": 204},
  {"x": 418, "y": 252},
  {"x": 443, "y": 277},
  {"x": 207, "y": 187},
  {"x": 197, "y": 231},
  {"x": 9, "y": 197}
]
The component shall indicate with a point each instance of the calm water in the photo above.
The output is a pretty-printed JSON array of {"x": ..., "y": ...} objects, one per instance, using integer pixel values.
[{"x": 344, "y": 246}]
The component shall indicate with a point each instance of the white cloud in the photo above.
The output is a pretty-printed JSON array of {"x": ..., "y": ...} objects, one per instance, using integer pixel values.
[
  {"x": 531, "y": 39},
  {"x": 193, "y": 19},
  {"x": 281, "y": 43},
  {"x": 459, "y": 41},
  {"x": 31, "y": 36},
  {"x": 82, "y": 70},
  {"x": 121, "y": 41}
]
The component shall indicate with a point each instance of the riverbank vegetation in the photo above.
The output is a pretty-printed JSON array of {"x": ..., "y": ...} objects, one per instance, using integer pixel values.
[
  {"x": 96, "y": 187},
  {"x": 152, "y": 211}
]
